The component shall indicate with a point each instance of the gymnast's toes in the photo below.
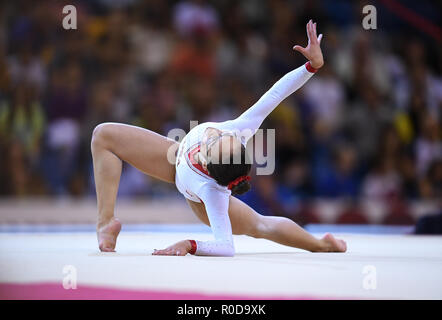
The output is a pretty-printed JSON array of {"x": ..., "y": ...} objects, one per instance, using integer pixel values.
[{"x": 333, "y": 244}]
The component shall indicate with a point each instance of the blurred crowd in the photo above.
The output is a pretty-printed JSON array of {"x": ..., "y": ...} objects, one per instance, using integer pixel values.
[{"x": 367, "y": 125}]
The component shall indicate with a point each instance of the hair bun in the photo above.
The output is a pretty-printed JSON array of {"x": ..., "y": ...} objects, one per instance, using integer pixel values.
[{"x": 240, "y": 188}]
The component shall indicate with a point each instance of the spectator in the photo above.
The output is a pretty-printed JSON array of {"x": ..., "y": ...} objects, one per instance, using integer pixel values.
[
  {"x": 382, "y": 182},
  {"x": 327, "y": 106},
  {"x": 341, "y": 178},
  {"x": 195, "y": 16},
  {"x": 22, "y": 124},
  {"x": 66, "y": 108},
  {"x": 428, "y": 144}
]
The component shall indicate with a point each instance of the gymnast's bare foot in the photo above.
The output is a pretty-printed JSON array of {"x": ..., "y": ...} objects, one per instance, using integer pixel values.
[
  {"x": 331, "y": 244},
  {"x": 107, "y": 235}
]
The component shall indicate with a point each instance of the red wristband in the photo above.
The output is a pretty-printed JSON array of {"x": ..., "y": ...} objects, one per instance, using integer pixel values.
[
  {"x": 309, "y": 67},
  {"x": 193, "y": 249}
]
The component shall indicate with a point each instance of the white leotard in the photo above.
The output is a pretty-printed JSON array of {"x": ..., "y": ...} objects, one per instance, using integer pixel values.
[{"x": 195, "y": 183}]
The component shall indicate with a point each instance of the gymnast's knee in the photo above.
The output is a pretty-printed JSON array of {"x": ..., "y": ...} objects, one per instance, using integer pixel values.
[
  {"x": 259, "y": 229},
  {"x": 102, "y": 134}
]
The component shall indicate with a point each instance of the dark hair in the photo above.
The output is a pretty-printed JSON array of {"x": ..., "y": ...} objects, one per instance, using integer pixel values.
[{"x": 226, "y": 172}]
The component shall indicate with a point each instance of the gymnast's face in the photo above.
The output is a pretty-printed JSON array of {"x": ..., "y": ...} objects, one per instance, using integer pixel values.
[{"x": 217, "y": 145}]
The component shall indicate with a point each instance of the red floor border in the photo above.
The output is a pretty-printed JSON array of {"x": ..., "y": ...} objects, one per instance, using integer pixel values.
[{"x": 53, "y": 291}]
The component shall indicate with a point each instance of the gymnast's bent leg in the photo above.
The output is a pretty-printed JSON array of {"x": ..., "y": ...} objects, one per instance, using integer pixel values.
[{"x": 111, "y": 144}]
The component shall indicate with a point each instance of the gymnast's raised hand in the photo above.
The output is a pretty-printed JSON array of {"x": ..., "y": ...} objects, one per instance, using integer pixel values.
[{"x": 313, "y": 51}]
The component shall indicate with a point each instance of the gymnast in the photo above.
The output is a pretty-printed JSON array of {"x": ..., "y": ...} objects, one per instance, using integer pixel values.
[{"x": 211, "y": 166}]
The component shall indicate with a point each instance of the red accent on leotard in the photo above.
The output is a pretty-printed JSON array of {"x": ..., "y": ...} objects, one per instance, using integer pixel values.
[
  {"x": 309, "y": 67},
  {"x": 195, "y": 164},
  {"x": 194, "y": 247}
]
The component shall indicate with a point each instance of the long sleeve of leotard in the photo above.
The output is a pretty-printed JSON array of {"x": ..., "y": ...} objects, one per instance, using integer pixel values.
[
  {"x": 217, "y": 206},
  {"x": 249, "y": 121}
]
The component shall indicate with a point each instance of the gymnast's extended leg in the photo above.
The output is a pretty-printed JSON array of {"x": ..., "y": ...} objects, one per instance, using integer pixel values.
[{"x": 246, "y": 221}]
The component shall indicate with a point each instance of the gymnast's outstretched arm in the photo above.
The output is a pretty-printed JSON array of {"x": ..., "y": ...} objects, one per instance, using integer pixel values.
[{"x": 249, "y": 121}]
